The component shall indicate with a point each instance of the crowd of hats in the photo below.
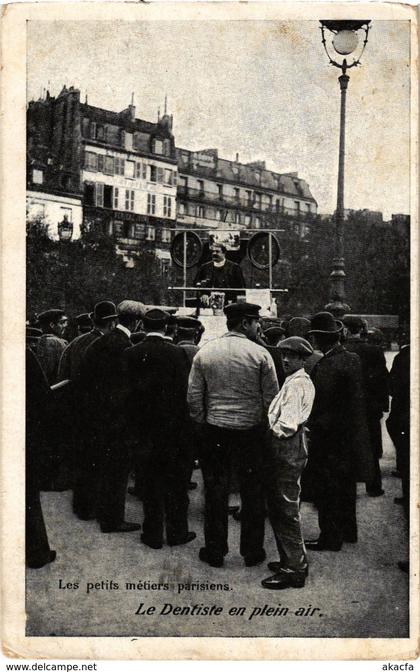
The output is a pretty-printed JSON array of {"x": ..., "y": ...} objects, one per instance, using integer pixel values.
[{"x": 291, "y": 333}]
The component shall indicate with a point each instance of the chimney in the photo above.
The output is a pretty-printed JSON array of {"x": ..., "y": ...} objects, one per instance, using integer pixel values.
[{"x": 237, "y": 157}]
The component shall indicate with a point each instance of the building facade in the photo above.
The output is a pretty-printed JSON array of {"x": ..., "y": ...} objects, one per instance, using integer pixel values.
[
  {"x": 123, "y": 170},
  {"x": 87, "y": 166},
  {"x": 215, "y": 193}
]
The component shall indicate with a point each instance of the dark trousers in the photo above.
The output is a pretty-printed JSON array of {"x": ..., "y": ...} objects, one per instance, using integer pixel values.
[
  {"x": 86, "y": 480},
  {"x": 218, "y": 448},
  {"x": 286, "y": 460},
  {"x": 165, "y": 484},
  {"x": 375, "y": 435},
  {"x": 337, "y": 500},
  {"x": 37, "y": 546},
  {"x": 114, "y": 467}
]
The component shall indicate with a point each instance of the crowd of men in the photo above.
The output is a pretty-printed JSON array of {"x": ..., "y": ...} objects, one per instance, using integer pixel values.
[{"x": 260, "y": 410}]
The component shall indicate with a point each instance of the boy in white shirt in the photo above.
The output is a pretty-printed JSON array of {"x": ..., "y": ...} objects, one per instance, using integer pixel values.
[{"x": 287, "y": 457}]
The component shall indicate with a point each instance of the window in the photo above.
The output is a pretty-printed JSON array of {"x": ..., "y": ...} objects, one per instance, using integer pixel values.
[
  {"x": 129, "y": 199},
  {"x": 168, "y": 176},
  {"x": 218, "y": 215},
  {"x": 237, "y": 218},
  {"x": 297, "y": 207},
  {"x": 91, "y": 161},
  {"x": 249, "y": 197},
  {"x": 116, "y": 196},
  {"x": 181, "y": 208},
  {"x": 101, "y": 163},
  {"x": 89, "y": 195},
  {"x": 99, "y": 195},
  {"x": 237, "y": 193},
  {"x": 128, "y": 140},
  {"x": 109, "y": 165},
  {"x": 100, "y": 133},
  {"x": 150, "y": 233},
  {"x": 93, "y": 130},
  {"x": 257, "y": 198},
  {"x": 160, "y": 174},
  {"x": 129, "y": 169},
  {"x": 167, "y": 206},
  {"x": 37, "y": 176},
  {"x": 158, "y": 147},
  {"x": 66, "y": 212},
  {"x": 144, "y": 171},
  {"x": 138, "y": 170},
  {"x": 200, "y": 186},
  {"x": 247, "y": 220},
  {"x": 220, "y": 190},
  {"x": 153, "y": 174},
  {"x": 151, "y": 204},
  {"x": 167, "y": 147},
  {"x": 118, "y": 228},
  {"x": 119, "y": 165},
  {"x": 201, "y": 211},
  {"x": 166, "y": 235},
  {"x": 308, "y": 207},
  {"x": 107, "y": 196},
  {"x": 183, "y": 181},
  {"x": 37, "y": 209},
  {"x": 138, "y": 230},
  {"x": 270, "y": 202},
  {"x": 174, "y": 177},
  {"x": 257, "y": 222},
  {"x": 277, "y": 205}
]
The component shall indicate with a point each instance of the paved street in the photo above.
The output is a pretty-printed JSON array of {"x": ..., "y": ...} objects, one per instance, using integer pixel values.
[{"x": 359, "y": 592}]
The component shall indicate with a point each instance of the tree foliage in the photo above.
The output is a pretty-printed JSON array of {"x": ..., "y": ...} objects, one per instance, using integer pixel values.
[{"x": 75, "y": 275}]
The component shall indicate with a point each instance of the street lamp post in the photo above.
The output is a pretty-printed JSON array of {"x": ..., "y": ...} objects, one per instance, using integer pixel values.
[{"x": 345, "y": 40}]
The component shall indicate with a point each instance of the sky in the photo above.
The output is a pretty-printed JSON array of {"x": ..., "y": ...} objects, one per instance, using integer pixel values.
[{"x": 262, "y": 89}]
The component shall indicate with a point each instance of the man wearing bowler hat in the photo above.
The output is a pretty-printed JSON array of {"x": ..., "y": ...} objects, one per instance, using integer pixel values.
[
  {"x": 340, "y": 452},
  {"x": 105, "y": 365},
  {"x": 286, "y": 458},
  {"x": 231, "y": 385},
  {"x": 157, "y": 372}
]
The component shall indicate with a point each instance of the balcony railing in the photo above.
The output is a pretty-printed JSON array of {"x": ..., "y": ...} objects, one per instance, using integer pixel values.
[{"x": 231, "y": 201}]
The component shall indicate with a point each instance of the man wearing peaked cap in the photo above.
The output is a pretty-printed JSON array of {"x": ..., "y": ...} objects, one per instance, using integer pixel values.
[
  {"x": 240, "y": 310},
  {"x": 48, "y": 350},
  {"x": 231, "y": 385},
  {"x": 84, "y": 323},
  {"x": 51, "y": 344},
  {"x": 186, "y": 334},
  {"x": 157, "y": 372},
  {"x": 85, "y": 412},
  {"x": 340, "y": 451},
  {"x": 286, "y": 460},
  {"x": 129, "y": 307},
  {"x": 155, "y": 319},
  {"x": 103, "y": 375}
]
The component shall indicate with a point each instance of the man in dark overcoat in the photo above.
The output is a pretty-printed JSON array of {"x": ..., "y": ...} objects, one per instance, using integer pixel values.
[
  {"x": 55, "y": 470},
  {"x": 37, "y": 548},
  {"x": 375, "y": 383},
  {"x": 157, "y": 371},
  {"x": 103, "y": 366},
  {"x": 340, "y": 452}
]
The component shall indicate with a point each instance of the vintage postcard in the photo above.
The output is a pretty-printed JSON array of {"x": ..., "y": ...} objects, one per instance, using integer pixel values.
[{"x": 209, "y": 248}]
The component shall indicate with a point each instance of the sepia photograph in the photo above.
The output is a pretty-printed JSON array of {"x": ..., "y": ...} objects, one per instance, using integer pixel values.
[{"x": 220, "y": 236}]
